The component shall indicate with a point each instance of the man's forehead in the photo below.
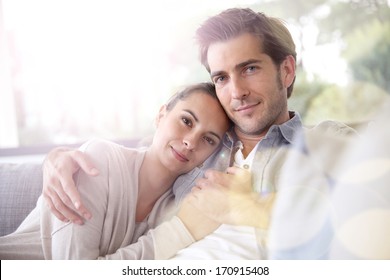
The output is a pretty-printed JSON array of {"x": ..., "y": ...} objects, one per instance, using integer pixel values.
[
  {"x": 227, "y": 55},
  {"x": 235, "y": 50}
]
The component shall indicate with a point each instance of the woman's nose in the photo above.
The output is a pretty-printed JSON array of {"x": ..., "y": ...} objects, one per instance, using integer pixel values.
[{"x": 190, "y": 141}]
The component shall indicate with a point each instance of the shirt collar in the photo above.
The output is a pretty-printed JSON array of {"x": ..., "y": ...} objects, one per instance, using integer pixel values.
[
  {"x": 290, "y": 128},
  {"x": 287, "y": 129}
]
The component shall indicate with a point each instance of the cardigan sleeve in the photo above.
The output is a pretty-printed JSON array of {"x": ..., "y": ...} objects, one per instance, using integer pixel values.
[
  {"x": 170, "y": 237},
  {"x": 162, "y": 242}
]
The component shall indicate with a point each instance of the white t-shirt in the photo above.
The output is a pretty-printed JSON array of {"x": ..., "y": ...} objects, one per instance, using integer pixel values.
[{"x": 228, "y": 241}]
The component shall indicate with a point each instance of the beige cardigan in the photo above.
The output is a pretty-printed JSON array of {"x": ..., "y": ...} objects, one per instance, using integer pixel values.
[{"x": 111, "y": 197}]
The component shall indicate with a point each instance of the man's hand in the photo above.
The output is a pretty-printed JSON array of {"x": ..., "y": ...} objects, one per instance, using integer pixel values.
[
  {"x": 59, "y": 190},
  {"x": 228, "y": 198}
]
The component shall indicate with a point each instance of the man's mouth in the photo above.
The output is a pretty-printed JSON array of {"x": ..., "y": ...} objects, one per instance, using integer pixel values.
[{"x": 245, "y": 108}]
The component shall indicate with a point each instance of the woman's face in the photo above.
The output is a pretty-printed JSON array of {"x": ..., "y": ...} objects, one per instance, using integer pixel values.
[{"x": 190, "y": 132}]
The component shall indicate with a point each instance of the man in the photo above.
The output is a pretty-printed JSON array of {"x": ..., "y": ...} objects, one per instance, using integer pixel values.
[{"x": 251, "y": 59}]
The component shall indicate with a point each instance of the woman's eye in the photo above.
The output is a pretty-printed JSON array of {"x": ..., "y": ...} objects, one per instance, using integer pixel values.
[
  {"x": 209, "y": 140},
  {"x": 187, "y": 121}
]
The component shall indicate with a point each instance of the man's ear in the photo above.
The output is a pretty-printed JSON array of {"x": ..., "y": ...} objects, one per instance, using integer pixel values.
[
  {"x": 288, "y": 71},
  {"x": 162, "y": 112}
]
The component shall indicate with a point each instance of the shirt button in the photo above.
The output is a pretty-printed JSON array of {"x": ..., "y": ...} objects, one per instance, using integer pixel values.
[{"x": 246, "y": 166}]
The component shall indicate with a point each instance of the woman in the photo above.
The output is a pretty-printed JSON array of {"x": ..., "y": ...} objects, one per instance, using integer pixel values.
[{"x": 133, "y": 184}]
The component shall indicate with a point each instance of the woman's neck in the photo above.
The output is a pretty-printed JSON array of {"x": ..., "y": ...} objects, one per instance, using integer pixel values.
[{"x": 154, "y": 179}]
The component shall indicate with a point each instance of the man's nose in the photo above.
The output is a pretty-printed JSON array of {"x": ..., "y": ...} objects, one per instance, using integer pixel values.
[{"x": 238, "y": 88}]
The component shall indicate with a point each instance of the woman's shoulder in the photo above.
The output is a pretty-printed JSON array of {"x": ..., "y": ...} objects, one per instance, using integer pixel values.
[{"x": 98, "y": 144}]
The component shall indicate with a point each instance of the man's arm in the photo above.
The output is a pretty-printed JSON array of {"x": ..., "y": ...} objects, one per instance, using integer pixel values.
[{"x": 59, "y": 189}]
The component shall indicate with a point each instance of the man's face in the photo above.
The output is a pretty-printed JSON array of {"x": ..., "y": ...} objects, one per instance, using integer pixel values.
[{"x": 251, "y": 88}]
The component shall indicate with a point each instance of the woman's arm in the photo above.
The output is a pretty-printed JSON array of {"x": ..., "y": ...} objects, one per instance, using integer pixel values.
[{"x": 164, "y": 241}]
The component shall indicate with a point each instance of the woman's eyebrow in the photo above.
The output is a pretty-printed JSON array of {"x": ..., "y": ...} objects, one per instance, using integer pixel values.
[{"x": 192, "y": 114}]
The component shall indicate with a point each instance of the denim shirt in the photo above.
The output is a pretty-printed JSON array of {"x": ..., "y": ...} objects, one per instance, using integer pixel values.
[{"x": 267, "y": 163}]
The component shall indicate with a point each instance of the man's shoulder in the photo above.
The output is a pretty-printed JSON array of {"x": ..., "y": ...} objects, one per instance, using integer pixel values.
[
  {"x": 328, "y": 142},
  {"x": 332, "y": 128}
]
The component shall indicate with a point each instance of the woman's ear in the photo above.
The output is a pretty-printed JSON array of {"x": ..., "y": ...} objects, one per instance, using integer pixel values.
[{"x": 162, "y": 112}]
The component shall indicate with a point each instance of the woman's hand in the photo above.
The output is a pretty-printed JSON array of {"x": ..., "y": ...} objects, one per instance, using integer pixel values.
[
  {"x": 227, "y": 197},
  {"x": 198, "y": 224}
]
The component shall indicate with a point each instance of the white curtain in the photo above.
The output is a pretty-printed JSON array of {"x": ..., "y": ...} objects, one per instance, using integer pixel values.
[{"x": 8, "y": 124}]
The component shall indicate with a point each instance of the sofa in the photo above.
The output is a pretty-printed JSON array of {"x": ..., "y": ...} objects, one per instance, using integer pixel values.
[
  {"x": 21, "y": 183},
  {"x": 20, "y": 187}
]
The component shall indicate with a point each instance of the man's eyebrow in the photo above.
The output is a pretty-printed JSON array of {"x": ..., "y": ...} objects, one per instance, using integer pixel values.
[
  {"x": 247, "y": 62},
  {"x": 197, "y": 120},
  {"x": 216, "y": 73},
  {"x": 238, "y": 66}
]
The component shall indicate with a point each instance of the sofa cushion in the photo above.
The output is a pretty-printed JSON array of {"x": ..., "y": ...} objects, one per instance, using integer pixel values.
[{"x": 20, "y": 187}]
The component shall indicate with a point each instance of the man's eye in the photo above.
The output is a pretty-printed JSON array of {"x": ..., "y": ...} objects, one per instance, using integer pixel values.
[
  {"x": 251, "y": 68},
  {"x": 219, "y": 79}
]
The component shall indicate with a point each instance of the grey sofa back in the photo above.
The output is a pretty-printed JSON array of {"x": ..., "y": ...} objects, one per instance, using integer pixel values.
[{"x": 20, "y": 187}]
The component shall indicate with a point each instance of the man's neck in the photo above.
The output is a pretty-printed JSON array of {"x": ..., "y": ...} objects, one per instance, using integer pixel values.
[{"x": 248, "y": 142}]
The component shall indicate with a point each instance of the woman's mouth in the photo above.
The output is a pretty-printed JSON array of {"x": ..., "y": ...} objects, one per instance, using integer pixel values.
[{"x": 179, "y": 156}]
